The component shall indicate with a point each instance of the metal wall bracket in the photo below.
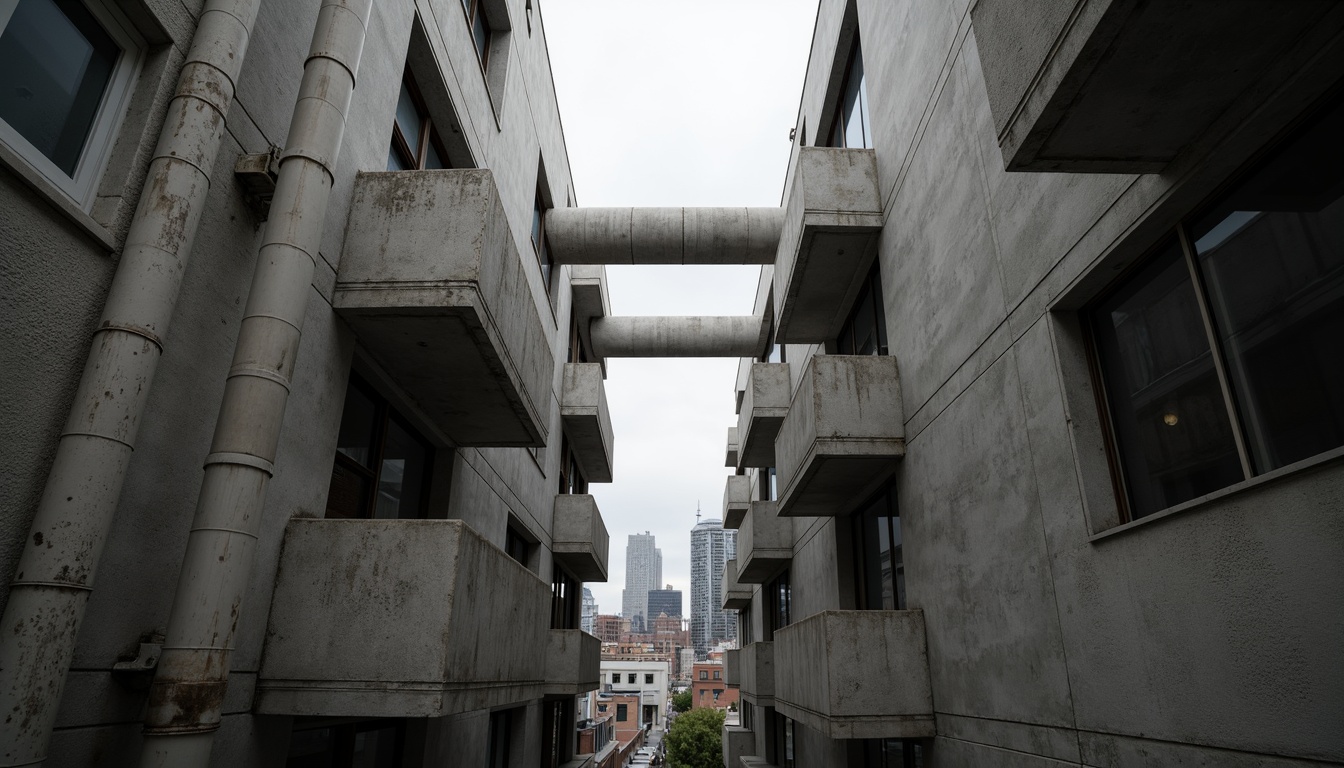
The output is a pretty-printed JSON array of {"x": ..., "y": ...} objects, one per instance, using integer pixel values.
[
  {"x": 139, "y": 671},
  {"x": 257, "y": 174}
]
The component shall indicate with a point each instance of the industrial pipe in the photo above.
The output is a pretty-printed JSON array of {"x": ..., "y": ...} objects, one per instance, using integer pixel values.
[
  {"x": 187, "y": 695},
  {"x": 734, "y": 336},
  {"x": 56, "y": 570},
  {"x": 663, "y": 235}
]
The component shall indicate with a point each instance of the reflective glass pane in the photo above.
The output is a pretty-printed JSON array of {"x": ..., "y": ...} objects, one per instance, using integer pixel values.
[
  {"x": 55, "y": 64},
  {"x": 402, "y": 478},
  {"x": 1272, "y": 254},
  {"x": 480, "y": 33},
  {"x": 348, "y": 495},
  {"x": 357, "y": 426},
  {"x": 375, "y": 749},
  {"x": 865, "y": 120},
  {"x": 408, "y": 118},
  {"x": 433, "y": 161},
  {"x": 311, "y": 749},
  {"x": 1167, "y": 407},
  {"x": 852, "y": 108},
  {"x": 394, "y": 161}
]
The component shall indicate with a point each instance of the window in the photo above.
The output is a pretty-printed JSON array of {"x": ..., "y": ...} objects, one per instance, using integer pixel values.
[
  {"x": 885, "y": 753},
  {"x": 865, "y": 330},
  {"x": 745, "y": 717},
  {"x": 782, "y": 741},
  {"x": 630, "y": 678},
  {"x": 480, "y": 29},
  {"x": 744, "y": 630},
  {"x": 648, "y": 679},
  {"x": 615, "y": 678},
  {"x": 66, "y": 72},
  {"x": 778, "y": 597},
  {"x": 501, "y": 737},
  {"x": 717, "y": 691},
  {"x": 879, "y": 572},
  {"x": 571, "y": 476},
  {"x": 718, "y": 675},
  {"x": 539, "y": 246},
  {"x": 769, "y": 482},
  {"x": 415, "y": 139},
  {"x": 382, "y": 465},
  {"x": 1219, "y": 357},
  {"x": 516, "y": 545},
  {"x": 369, "y": 744},
  {"x": 704, "y": 674},
  {"x": 851, "y": 127},
  {"x": 565, "y": 599},
  {"x": 774, "y": 354},
  {"x": 557, "y": 732},
  {"x": 621, "y": 712}
]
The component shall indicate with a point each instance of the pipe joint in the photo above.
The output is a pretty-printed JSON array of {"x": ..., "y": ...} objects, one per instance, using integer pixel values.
[{"x": 241, "y": 459}]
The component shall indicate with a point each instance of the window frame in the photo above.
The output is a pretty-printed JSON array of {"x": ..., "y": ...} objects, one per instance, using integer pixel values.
[
  {"x": 541, "y": 248},
  {"x": 384, "y": 414},
  {"x": 855, "y": 54},
  {"x": 473, "y": 10},
  {"x": 81, "y": 187},
  {"x": 429, "y": 134}
]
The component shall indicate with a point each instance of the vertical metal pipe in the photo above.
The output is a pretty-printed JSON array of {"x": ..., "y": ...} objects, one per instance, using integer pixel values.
[
  {"x": 187, "y": 695},
  {"x": 55, "y": 575}
]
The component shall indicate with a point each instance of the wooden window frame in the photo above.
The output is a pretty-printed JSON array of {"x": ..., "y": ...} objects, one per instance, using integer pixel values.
[
  {"x": 384, "y": 414},
  {"x": 429, "y": 134}
]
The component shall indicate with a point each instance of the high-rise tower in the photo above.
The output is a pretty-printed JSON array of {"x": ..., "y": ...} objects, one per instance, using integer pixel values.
[
  {"x": 711, "y": 547},
  {"x": 643, "y": 572}
]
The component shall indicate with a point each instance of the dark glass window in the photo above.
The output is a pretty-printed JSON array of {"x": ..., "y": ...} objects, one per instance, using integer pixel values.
[
  {"x": 571, "y": 476},
  {"x": 885, "y": 753},
  {"x": 852, "y": 126},
  {"x": 769, "y": 484},
  {"x": 539, "y": 245},
  {"x": 879, "y": 573},
  {"x": 775, "y": 354},
  {"x": 648, "y": 679},
  {"x": 382, "y": 466},
  {"x": 1220, "y": 355},
  {"x": 565, "y": 599},
  {"x": 516, "y": 545},
  {"x": 615, "y": 678},
  {"x": 630, "y": 678},
  {"x": 56, "y": 61},
  {"x": 415, "y": 139},
  {"x": 557, "y": 732},
  {"x": 370, "y": 744},
  {"x": 621, "y": 712},
  {"x": 865, "y": 330},
  {"x": 704, "y": 674},
  {"x": 744, "y": 629},
  {"x": 480, "y": 29},
  {"x": 778, "y": 597},
  {"x": 782, "y": 742},
  {"x": 501, "y": 737}
]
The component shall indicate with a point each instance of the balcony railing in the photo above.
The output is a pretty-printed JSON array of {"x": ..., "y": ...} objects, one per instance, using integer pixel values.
[
  {"x": 764, "y": 544},
  {"x": 764, "y": 405},
  {"x": 579, "y": 539},
  {"x": 587, "y": 420}
]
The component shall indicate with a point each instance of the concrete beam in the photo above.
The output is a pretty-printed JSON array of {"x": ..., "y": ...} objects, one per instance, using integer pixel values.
[
  {"x": 732, "y": 336},
  {"x": 664, "y": 235}
]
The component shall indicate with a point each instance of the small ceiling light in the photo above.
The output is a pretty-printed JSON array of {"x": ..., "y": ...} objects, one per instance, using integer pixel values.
[{"x": 1170, "y": 419}]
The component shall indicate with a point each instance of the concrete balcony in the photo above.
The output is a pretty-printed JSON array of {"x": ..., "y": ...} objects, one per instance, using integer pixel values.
[
  {"x": 579, "y": 539},
  {"x": 588, "y": 287},
  {"x": 765, "y": 402},
  {"x": 400, "y": 618},
  {"x": 587, "y": 421},
  {"x": 735, "y": 596},
  {"x": 856, "y": 674},
  {"x": 736, "y": 500},
  {"x": 832, "y": 221},
  {"x": 573, "y": 662},
  {"x": 1120, "y": 87},
  {"x": 751, "y": 761},
  {"x": 737, "y": 742},
  {"x": 842, "y": 436},
  {"x": 730, "y": 454},
  {"x": 764, "y": 544},
  {"x": 435, "y": 290},
  {"x": 732, "y": 668},
  {"x": 758, "y": 674}
]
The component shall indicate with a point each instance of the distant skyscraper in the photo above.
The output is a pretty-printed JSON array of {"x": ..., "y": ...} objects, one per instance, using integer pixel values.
[
  {"x": 588, "y": 612},
  {"x": 643, "y": 573},
  {"x": 711, "y": 547},
  {"x": 664, "y": 601}
]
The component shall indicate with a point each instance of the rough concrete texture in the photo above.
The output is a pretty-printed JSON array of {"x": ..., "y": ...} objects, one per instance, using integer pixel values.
[
  {"x": 387, "y": 618},
  {"x": 856, "y": 674},
  {"x": 643, "y": 336},
  {"x": 736, "y": 743},
  {"x": 832, "y": 220},
  {"x": 587, "y": 420},
  {"x": 844, "y": 430},
  {"x": 664, "y": 235},
  {"x": 758, "y": 673},
  {"x": 732, "y": 667},
  {"x": 765, "y": 402},
  {"x": 730, "y": 451},
  {"x": 588, "y": 291},
  {"x": 764, "y": 544},
  {"x": 579, "y": 539},
  {"x": 451, "y": 318},
  {"x": 573, "y": 662},
  {"x": 735, "y": 596},
  {"x": 736, "y": 500}
]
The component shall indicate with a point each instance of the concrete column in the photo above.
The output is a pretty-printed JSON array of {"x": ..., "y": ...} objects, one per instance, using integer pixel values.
[
  {"x": 664, "y": 235},
  {"x": 734, "y": 336}
]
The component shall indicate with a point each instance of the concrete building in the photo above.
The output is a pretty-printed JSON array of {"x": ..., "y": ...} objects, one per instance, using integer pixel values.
[
  {"x": 588, "y": 612},
  {"x": 664, "y": 602},
  {"x": 711, "y": 546},
  {"x": 643, "y": 574}
]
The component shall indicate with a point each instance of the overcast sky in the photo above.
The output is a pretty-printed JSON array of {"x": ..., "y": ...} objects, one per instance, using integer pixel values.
[{"x": 685, "y": 103}]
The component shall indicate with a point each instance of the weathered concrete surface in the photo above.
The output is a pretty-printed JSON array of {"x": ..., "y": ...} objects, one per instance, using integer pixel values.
[
  {"x": 400, "y": 618},
  {"x": 856, "y": 674},
  {"x": 579, "y": 538},
  {"x": 1123, "y": 87},
  {"x": 765, "y": 402},
  {"x": 844, "y": 431},
  {"x": 732, "y": 667},
  {"x": 573, "y": 662},
  {"x": 664, "y": 235},
  {"x": 735, "y": 595},
  {"x": 730, "y": 451},
  {"x": 451, "y": 318},
  {"x": 764, "y": 544},
  {"x": 587, "y": 420},
  {"x": 736, "y": 500},
  {"x": 589, "y": 301},
  {"x": 736, "y": 743},
  {"x": 643, "y": 336},
  {"x": 832, "y": 221},
  {"x": 758, "y": 673}
]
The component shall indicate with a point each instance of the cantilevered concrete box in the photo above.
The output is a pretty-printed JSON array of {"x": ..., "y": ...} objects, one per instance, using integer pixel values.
[
  {"x": 432, "y": 284},
  {"x": 1118, "y": 86},
  {"x": 588, "y": 286},
  {"x": 764, "y": 405},
  {"x": 579, "y": 539},
  {"x": 573, "y": 662},
  {"x": 736, "y": 596},
  {"x": 732, "y": 668},
  {"x": 400, "y": 618},
  {"x": 731, "y": 453},
  {"x": 758, "y": 673},
  {"x": 856, "y": 674},
  {"x": 831, "y": 225},
  {"x": 736, "y": 500},
  {"x": 736, "y": 743},
  {"x": 764, "y": 544},
  {"x": 587, "y": 422},
  {"x": 844, "y": 431}
]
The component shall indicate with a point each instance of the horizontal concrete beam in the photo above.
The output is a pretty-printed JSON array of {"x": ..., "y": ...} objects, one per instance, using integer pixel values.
[
  {"x": 734, "y": 336},
  {"x": 664, "y": 235}
]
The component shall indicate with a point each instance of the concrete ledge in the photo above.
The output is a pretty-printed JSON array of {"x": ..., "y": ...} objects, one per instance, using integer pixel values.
[
  {"x": 587, "y": 420},
  {"x": 373, "y": 618},
  {"x": 588, "y": 288},
  {"x": 765, "y": 402},
  {"x": 736, "y": 500},
  {"x": 732, "y": 667},
  {"x": 573, "y": 662},
  {"x": 758, "y": 674},
  {"x": 856, "y": 674},
  {"x": 832, "y": 222},
  {"x": 843, "y": 434},
  {"x": 735, "y": 596},
  {"x": 736, "y": 743},
  {"x": 764, "y": 544},
  {"x": 579, "y": 538},
  {"x": 663, "y": 235},
  {"x": 730, "y": 453}
]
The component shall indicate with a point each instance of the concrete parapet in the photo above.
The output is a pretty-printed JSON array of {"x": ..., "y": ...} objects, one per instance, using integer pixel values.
[
  {"x": 590, "y": 301},
  {"x": 765, "y": 402},
  {"x": 587, "y": 420},
  {"x": 735, "y": 596},
  {"x": 730, "y": 336},
  {"x": 730, "y": 452},
  {"x": 579, "y": 538},
  {"x": 764, "y": 544},
  {"x": 732, "y": 667},
  {"x": 736, "y": 743},
  {"x": 664, "y": 235},
  {"x": 736, "y": 500},
  {"x": 573, "y": 662},
  {"x": 758, "y": 673}
]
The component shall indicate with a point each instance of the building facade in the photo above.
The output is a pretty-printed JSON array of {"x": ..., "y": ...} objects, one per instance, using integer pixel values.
[
  {"x": 588, "y": 613},
  {"x": 646, "y": 680},
  {"x": 664, "y": 601},
  {"x": 711, "y": 546},
  {"x": 643, "y": 574}
]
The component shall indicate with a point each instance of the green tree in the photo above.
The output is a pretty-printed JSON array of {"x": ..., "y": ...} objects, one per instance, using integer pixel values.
[
  {"x": 681, "y": 702},
  {"x": 696, "y": 739}
]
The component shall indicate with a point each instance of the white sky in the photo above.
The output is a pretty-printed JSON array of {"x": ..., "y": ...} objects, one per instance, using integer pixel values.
[{"x": 685, "y": 103}]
